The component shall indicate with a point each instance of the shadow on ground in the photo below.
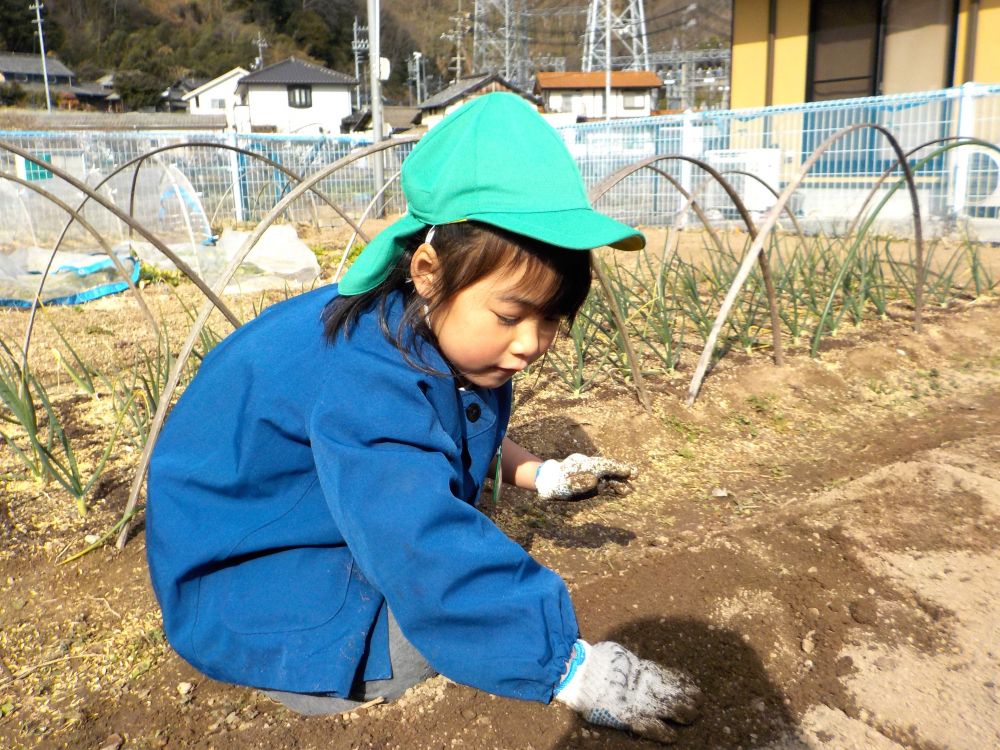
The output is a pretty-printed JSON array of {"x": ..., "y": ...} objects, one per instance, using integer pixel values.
[{"x": 742, "y": 707}]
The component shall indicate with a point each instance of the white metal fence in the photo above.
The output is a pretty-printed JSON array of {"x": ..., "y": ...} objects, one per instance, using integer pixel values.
[
  {"x": 758, "y": 150},
  {"x": 237, "y": 177},
  {"x": 752, "y": 147}
]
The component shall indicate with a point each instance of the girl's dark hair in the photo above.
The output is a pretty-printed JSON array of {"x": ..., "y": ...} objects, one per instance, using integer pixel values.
[{"x": 467, "y": 252}]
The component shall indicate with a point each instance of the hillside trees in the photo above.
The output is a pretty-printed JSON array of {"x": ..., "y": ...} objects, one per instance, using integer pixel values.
[
  {"x": 156, "y": 42},
  {"x": 17, "y": 28}
]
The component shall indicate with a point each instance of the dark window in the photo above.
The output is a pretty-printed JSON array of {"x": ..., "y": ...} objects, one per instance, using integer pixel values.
[
  {"x": 300, "y": 97},
  {"x": 872, "y": 47},
  {"x": 843, "y": 49}
]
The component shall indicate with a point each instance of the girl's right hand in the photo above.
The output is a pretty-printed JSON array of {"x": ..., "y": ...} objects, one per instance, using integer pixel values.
[
  {"x": 578, "y": 476},
  {"x": 610, "y": 686}
]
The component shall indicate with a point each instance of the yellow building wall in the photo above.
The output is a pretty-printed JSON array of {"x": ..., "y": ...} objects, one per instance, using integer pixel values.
[
  {"x": 791, "y": 52},
  {"x": 987, "y": 62},
  {"x": 749, "y": 62},
  {"x": 987, "y": 65},
  {"x": 961, "y": 34}
]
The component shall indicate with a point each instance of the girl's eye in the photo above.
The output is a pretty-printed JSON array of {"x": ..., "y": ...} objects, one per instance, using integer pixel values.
[{"x": 505, "y": 320}]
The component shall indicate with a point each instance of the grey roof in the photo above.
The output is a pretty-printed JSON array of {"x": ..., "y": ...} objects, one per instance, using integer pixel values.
[
  {"x": 399, "y": 118},
  {"x": 294, "y": 71},
  {"x": 22, "y": 62},
  {"x": 464, "y": 86},
  {"x": 31, "y": 119}
]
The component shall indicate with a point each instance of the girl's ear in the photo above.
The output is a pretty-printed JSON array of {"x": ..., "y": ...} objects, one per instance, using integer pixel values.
[{"x": 424, "y": 269}]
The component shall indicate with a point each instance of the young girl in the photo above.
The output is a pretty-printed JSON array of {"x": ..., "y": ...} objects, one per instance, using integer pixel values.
[{"x": 312, "y": 526}]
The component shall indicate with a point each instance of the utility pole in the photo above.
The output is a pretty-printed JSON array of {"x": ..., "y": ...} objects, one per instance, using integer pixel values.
[
  {"x": 37, "y": 7},
  {"x": 415, "y": 71},
  {"x": 359, "y": 46},
  {"x": 460, "y": 27},
  {"x": 607, "y": 60},
  {"x": 262, "y": 45},
  {"x": 374, "y": 76}
]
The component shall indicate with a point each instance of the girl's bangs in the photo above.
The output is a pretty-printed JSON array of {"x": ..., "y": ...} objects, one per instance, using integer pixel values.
[{"x": 557, "y": 277}]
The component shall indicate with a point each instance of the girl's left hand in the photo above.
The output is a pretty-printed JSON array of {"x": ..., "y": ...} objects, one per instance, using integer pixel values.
[{"x": 578, "y": 476}]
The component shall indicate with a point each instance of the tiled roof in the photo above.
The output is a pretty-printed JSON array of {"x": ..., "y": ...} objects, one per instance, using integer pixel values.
[
  {"x": 620, "y": 79},
  {"x": 295, "y": 72},
  {"x": 465, "y": 86},
  {"x": 30, "y": 119},
  {"x": 21, "y": 62}
]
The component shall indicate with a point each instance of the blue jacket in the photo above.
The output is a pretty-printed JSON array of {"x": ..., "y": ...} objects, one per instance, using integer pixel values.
[{"x": 301, "y": 487}]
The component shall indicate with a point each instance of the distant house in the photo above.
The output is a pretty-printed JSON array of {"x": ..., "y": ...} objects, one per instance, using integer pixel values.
[
  {"x": 26, "y": 71},
  {"x": 633, "y": 93},
  {"x": 293, "y": 96},
  {"x": 172, "y": 98},
  {"x": 434, "y": 108},
  {"x": 217, "y": 97},
  {"x": 23, "y": 68},
  {"x": 394, "y": 120}
]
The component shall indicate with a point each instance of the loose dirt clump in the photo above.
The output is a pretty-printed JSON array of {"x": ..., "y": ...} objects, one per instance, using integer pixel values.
[{"x": 818, "y": 544}]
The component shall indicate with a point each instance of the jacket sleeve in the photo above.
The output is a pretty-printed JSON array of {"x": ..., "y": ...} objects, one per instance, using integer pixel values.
[{"x": 472, "y": 601}]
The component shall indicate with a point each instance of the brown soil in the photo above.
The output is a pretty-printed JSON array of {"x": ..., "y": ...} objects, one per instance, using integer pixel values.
[{"x": 817, "y": 544}]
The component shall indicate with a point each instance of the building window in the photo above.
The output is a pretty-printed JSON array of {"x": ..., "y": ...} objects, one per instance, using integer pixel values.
[
  {"x": 633, "y": 101},
  {"x": 300, "y": 97},
  {"x": 844, "y": 42},
  {"x": 865, "y": 47},
  {"x": 221, "y": 103}
]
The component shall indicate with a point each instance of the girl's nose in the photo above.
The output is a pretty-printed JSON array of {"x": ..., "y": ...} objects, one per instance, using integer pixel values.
[{"x": 527, "y": 341}]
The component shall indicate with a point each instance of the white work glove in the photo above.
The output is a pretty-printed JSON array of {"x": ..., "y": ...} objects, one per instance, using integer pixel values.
[
  {"x": 612, "y": 687},
  {"x": 578, "y": 475}
]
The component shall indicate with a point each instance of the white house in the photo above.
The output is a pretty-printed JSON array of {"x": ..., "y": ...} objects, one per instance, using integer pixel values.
[
  {"x": 633, "y": 93},
  {"x": 446, "y": 101},
  {"x": 294, "y": 96},
  {"x": 217, "y": 97}
]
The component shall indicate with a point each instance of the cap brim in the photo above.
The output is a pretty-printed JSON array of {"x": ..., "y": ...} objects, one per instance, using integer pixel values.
[
  {"x": 376, "y": 261},
  {"x": 574, "y": 229}
]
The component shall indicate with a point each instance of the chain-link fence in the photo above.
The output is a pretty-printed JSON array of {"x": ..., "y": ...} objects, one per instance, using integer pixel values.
[
  {"x": 238, "y": 178},
  {"x": 760, "y": 150}
]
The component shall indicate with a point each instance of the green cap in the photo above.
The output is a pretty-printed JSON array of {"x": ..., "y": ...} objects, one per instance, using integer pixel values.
[{"x": 494, "y": 160}]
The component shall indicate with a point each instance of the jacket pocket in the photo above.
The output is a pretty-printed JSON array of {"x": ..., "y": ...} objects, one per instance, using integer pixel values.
[{"x": 283, "y": 590}]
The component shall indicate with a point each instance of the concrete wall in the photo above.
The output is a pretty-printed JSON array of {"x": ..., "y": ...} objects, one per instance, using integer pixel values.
[{"x": 590, "y": 102}]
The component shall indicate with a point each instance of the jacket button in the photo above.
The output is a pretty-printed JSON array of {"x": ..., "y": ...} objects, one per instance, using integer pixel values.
[{"x": 473, "y": 411}]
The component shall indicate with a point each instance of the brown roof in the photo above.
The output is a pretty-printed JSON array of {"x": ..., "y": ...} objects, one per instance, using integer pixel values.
[{"x": 620, "y": 79}]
